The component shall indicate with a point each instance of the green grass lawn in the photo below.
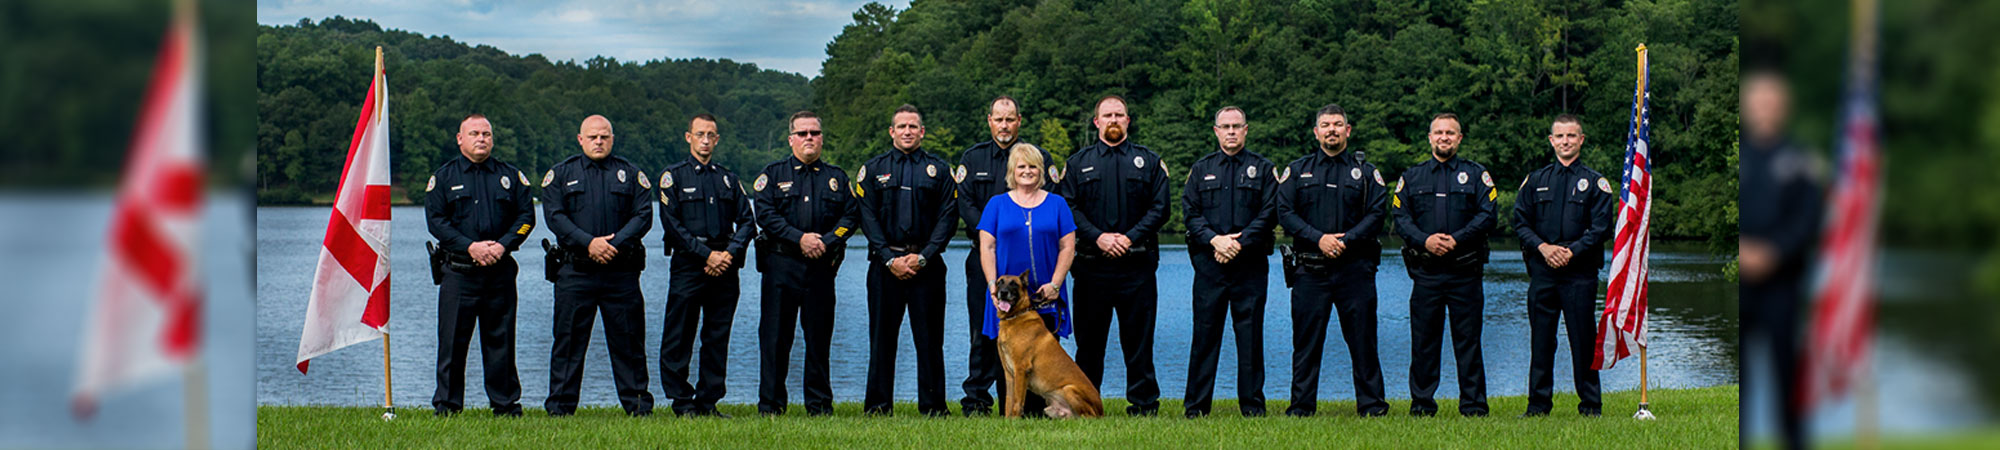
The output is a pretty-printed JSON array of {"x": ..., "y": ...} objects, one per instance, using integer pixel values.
[{"x": 1688, "y": 418}]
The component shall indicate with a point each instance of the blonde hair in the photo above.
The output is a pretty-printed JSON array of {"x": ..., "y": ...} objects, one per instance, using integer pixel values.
[{"x": 1023, "y": 152}]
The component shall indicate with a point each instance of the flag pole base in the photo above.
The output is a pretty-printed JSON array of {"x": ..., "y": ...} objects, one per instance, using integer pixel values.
[
  {"x": 1644, "y": 413},
  {"x": 388, "y": 414}
]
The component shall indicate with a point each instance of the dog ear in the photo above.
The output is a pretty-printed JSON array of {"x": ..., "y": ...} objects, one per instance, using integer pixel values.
[{"x": 1024, "y": 274}]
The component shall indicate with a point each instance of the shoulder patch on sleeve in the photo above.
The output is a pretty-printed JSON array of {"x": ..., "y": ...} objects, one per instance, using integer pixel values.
[
  {"x": 1378, "y": 178},
  {"x": 1286, "y": 175},
  {"x": 1604, "y": 184},
  {"x": 523, "y": 177},
  {"x": 1165, "y": 170},
  {"x": 1399, "y": 184},
  {"x": 667, "y": 179},
  {"x": 433, "y": 184},
  {"x": 549, "y": 177},
  {"x": 958, "y": 174},
  {"x": 761, "y": 180},
  {"x": 1486, "y": 177},
  {"x": 644, "y": 182},
  {"x": 1058, "y": 174}
]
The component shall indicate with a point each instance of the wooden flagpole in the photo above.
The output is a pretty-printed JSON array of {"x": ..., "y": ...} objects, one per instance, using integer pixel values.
[
  {"x": 1645, "y": 409},
  {"x": 388, "y": 387}
]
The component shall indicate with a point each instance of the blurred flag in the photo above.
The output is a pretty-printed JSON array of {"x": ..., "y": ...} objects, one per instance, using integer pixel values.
[
  {"x": 147, "y": 319},
  {"x": 1623, "y": 326},
  {"x": 1844, "y": 300},
  {"x": 350, "y": 292}
]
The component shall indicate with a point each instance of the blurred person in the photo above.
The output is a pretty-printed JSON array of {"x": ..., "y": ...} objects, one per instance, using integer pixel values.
[
  {"x": 1119, "y": 197},
  {"x": 982, "y": 173},
  {"x": 909, "y": 218},
  {"x": 705, "y": 227},
  {"x": 1563, "y": 215},
  {"x": 1331, "y": 204},
  {"x": 805, "y": 213},
  {"x": 1780, "y": 208},
  {"x": 479, "y": 209},
  {"x": 1445, "y": 213},
  {"x": 1230, "y": 205},
  {"x": 599, "y": 207}
]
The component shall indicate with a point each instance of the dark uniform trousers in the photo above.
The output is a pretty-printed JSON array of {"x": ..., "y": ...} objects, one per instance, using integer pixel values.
[
  {"x": 1435, "y": 295},
  {"x": 1575, "y": 299},
  {"x": 485, "y": 295},
  {"x": 795, "y": 288},
  {"x": 696, "y": 299},
  {"x": 1348, "y": 289},
  {"x": 888, "y": 298},
  {"x": 580, "y": 296},
  {"x": 1228, "y": 291},
  {"x": 1130, "y": 291}
]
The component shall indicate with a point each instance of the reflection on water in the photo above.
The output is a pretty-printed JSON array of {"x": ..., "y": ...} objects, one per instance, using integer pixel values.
[{"x": 1693, "y": 328}]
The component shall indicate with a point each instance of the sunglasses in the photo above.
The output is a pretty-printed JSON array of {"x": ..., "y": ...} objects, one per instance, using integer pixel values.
[{"x": 807, "y": 133}]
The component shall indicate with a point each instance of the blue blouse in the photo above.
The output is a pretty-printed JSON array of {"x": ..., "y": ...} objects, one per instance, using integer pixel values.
[{"x": 1028, "y": 240}]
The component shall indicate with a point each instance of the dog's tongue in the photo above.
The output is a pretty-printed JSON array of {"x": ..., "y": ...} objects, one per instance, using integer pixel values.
[{"x": 1004, "y": 307}]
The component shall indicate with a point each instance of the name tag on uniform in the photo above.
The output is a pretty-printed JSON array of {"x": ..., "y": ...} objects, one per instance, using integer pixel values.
[
  {"x": 1088, "y": 169},
  {"x": 570, "y": 183},
  {"x": 1441, "y": 194},
  {"x": 687, "y": 190},
  {"x": 980, "y": 174},
  {"x": 458, "y": 187},
  {"x": 1542, "y": 189}
]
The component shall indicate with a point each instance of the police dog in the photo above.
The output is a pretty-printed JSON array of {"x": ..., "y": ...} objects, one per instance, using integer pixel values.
[{"x": 1034, "y": 361}]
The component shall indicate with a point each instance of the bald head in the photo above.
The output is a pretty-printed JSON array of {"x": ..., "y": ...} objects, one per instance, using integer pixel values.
[{"x": 595, "y": 137}]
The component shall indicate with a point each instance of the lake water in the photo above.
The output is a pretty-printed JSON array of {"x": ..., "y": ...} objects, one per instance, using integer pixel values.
[{"x": 1693, "y": 325}]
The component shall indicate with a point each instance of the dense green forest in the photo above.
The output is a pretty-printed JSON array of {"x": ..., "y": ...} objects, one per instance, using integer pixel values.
[
  {"x": 74, "y": 76},
  {"x": 311, "y": 78},
  {"x": 1505, "y": 67}
]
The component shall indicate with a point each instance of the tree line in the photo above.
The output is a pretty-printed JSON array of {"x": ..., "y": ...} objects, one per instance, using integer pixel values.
[
  {"x": 312, "y": 77},
  {"x": 1506, "y": 67}
]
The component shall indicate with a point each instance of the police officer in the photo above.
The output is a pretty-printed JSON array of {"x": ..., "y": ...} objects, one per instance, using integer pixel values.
[
  {"x": 806, "y": 215},
  {"x": 909, "y": 211},
  {"x": 1230, "y": 206},
  {"x": 599, "y": 207},
  {"x": 706, "y": 227},
  {"x": 1444, "y": 212},
  {"x": 1117, "y": 191},
  {"x": 1782, "y": 203},
  {"x": 1563, "y": 215},
  {"x": 1330, "y": 202},
  {"x": 480, "y": 218},
  {"x": 981, "y": 174}
]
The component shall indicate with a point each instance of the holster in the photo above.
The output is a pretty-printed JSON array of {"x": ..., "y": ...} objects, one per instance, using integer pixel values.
[
  {"x": 1289, "y": 262},
  {"x": 437, "y": 262},
  {"x": 553, "y": 258},
  {"x": 1417, "y": 257}
]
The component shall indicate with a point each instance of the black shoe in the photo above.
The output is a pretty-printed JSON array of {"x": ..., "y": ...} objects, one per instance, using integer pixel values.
[
  {"x": 1375, "y": 412},
  {"x": 937, "y": 413},
  {"x": 1195, "y": 414},
  {"x": 978, "y": 412},
  {"x": 561, "y": 413},
  {"x": 444, "y": 412},
  {"x": 1418, "y": 412},
  {"x": 1299, "y": 413},
  {"x": 1254, "y": 413},
  {"x": 1472, "y": 413},
  {"x": 1137, "y": 411},
  {"x": 1591, "y": 412},
  {"x": 819, "y": 413},
  {"x": 1534, "y": 413}
]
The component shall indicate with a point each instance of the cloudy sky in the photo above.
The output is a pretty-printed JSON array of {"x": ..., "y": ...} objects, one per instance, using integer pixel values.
[{"x": 775, "y": 34}]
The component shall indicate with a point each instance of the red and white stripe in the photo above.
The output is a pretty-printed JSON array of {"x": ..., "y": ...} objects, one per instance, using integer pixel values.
[
  {"x": 1844, "y": 303},
  {"x": 1622, "y": 329},
  {"x": 147, "y": 318},
  {"x": 350, "y": 293}
]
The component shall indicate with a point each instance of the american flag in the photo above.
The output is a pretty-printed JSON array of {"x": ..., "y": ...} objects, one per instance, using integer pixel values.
[
  {"x": 1623, "y": 326},
  {"x": 1844, "y": 298}
]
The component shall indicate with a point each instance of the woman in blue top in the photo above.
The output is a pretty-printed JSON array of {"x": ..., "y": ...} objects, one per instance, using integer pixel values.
[{"x": 1028, "y": 230}]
